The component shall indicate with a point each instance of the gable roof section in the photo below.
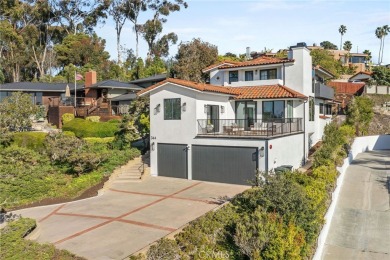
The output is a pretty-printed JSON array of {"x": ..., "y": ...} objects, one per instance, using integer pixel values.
[
  {"x": 252, "y": 92},
  {"x": 190, "y": 84},
  {"x": 346, "y": 87},
  {"x": 35, "y": 86},
  {"x": 323, "y": 70},
  {"x": 219, "y": 64},
  {"x": 115, "y": 84},
  {"x": 258, "y": 61},
  {"x": 267, "y": 92},
  {"x": 368, "y": 74}
]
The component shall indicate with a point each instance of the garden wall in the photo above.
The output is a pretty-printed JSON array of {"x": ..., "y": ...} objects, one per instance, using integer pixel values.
[{"x": 360, "y": 145}]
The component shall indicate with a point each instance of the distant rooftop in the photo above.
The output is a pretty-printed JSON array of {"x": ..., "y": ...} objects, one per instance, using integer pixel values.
[
  {"x": 115, "y": 84},
  {"x": 158, "y": 77},
  {"x": 125, "y": 97},
  {"x": 35, "y": 86}
]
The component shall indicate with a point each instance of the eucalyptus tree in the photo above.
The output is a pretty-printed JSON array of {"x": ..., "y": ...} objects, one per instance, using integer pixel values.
[
  {"x": 153, "y": 27},
  {"x": 27, "y": 29},
  {"x": 132, "y": 10},
  {"x": 117, "y": 10},
  {"x": 80, "y": 15},
  {"x": 342, "y": 31}
]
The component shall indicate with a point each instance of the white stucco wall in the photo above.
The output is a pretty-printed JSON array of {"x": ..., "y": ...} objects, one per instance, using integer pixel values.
[{"x": 286, "y": 150}]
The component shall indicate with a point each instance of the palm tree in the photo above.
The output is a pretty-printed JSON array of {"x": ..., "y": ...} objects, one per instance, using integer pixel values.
[
  {"x": 368, "y": 58},
  {"x": 385, "y": 31},
  {"x": 342, "y": 31},
  {"x": 347, "y": 46},
  {"x": 379, "y": 35}
]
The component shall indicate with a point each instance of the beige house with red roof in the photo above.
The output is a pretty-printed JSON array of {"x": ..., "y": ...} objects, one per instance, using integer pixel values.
[{"x": 262, "y": 114}]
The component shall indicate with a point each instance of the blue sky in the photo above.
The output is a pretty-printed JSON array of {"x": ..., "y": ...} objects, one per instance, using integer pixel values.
[{"x": 235, "y": 25}]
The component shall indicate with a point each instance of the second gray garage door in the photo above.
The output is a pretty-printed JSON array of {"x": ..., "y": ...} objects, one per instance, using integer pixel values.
[
  {"x": 172, "y": 160},
  {"x": 236, "y": 165}
]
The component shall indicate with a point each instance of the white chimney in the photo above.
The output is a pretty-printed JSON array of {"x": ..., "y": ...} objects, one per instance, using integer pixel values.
[{"x": 248, "y": 53}]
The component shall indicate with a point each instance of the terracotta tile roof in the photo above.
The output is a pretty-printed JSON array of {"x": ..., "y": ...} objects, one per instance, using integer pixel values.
[
  {"x": 257, "y": 61},
  {"x": 368, "y": 73},
  {"x": 216, "y": 65},
  {"x": 346, "y": 87},
  {"x": 252, "y": 92},
  {"x": 267, "y": 91},
  {"x": 190, "y": 84}
]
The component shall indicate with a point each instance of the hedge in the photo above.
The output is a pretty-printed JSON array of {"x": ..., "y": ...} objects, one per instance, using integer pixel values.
[
  {"x": 30, "y": 140},
  {"x": 84, "y": 128}
]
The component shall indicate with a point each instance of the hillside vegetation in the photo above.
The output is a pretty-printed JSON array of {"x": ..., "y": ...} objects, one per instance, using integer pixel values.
[{"x": 380, "y": 123}]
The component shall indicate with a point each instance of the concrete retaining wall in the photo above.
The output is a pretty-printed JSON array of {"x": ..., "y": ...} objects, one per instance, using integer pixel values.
[{"x": 360, "y": 145}]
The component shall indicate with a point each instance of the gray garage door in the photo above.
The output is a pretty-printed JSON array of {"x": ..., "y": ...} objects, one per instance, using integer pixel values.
[
  {"x": 172, "y": 160},
  {"x": 235, "y": 165}
]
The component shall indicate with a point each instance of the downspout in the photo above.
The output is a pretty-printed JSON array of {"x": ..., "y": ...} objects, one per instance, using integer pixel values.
[
  {"x": 304, "y": 132},
  {"x": 284, "y": 74},
  {"x": 266, "y": 156}
]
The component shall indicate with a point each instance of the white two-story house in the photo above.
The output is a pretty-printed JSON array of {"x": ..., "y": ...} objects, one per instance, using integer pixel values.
[{"x": 254, "y": 115}]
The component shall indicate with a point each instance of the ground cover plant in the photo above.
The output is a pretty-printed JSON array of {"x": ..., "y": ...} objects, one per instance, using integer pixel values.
[
  {"x": 14, "y": 246},
  {"x": 54, "y": 166}
]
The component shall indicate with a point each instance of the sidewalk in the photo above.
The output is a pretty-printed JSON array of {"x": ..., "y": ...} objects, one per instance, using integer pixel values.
[{"x": 360, "y": 228}]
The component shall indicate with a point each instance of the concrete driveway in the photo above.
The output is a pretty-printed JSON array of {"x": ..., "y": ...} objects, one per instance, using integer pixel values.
[
  {"x": 127, "y": 217},
  {"x": 360, "y": 227}
]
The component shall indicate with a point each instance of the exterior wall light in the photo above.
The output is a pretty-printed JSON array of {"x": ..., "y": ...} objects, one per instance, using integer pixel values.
[
  {"x": 157, "y": 109},
  {"x": 222, "y": 109},
  {"x": 184, "y": 107},
  {"x": 153, "y": 146},
  {"x": 262, "y": 151}
]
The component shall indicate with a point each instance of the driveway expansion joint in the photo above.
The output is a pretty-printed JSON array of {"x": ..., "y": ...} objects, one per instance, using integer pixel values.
[{"x": 120, "y": 218}]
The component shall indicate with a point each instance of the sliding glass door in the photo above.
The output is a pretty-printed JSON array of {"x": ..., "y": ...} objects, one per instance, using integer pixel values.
[{"x": 246, "y": 113}]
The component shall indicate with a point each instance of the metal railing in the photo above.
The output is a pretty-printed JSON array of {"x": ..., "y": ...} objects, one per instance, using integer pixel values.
[{"x": 249, "y": 127}]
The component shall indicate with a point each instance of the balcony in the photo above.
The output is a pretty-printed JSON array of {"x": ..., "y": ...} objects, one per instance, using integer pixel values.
[
  {"x": 323, "y": 91},
  {"x": 249, "y": 128}
]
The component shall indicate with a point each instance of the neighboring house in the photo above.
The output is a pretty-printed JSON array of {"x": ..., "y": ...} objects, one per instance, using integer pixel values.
[
  {"x": 361, "y": 76},
  {"x": 347, "y": 58},
  {"x": 149, "y": 81},
  {"x": 42, "y": 93},
  {"x": 259, "y": 114},
  {"x": 346, "y": 90}
]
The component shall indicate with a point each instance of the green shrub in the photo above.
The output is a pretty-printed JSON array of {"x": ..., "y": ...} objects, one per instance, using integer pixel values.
[
  {"x": 67, "y": 117},
  {"x": 93, "y": 118},
  {"x": 114, "y": 121},
  {"x": 68, "y": 133},
  {"x": 262, "y": 235},
  {"x": 30, "y": 140},
  {"x": 14, "y": 246},
  {"x": 164, "y": 249},
  {"x": 83, "y": 128},
  {"x": 97, "y": 140}
]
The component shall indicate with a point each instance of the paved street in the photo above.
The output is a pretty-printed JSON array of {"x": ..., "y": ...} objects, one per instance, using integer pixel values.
[
  {"x": 127, "y": 217},
  {"x": 360, "y": 228}
]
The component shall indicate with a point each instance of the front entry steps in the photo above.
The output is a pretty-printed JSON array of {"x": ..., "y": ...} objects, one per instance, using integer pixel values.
[{"x": 131, "y": 172}]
